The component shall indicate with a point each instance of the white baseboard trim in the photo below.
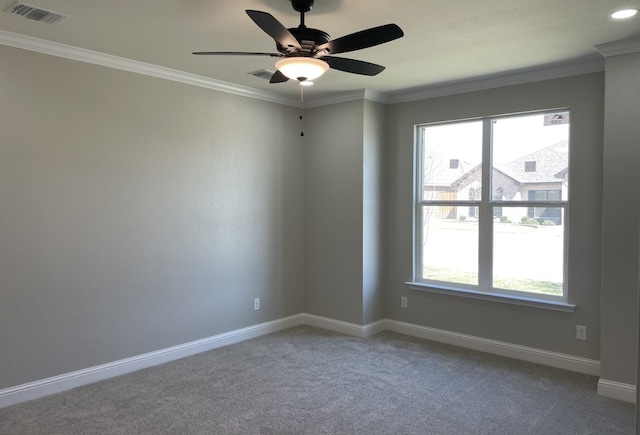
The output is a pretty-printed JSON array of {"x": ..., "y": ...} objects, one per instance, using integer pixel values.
[
  {"x": 539, "y": 356},
  {"x": 344, "y": 327},
  {"x": 56, "y": 384},
  {"x": 617, "y": 390}
]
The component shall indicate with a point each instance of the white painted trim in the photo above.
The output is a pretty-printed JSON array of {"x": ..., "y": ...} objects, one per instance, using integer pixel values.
[
  {"x": 56, "y": 384},
  {"x": 93, "y": 57},
  {"x": 617, "y": 390},
  {"x": 345, "y": 97},
  {"x": 624, "y": 46},
  {"x": 505, "y": 298},
  {"x": 495, "y": 81},
  {"x": 374, "y": 328},
  {"x": 67, "y": 381},
  {"x": 342, "y": 97},
  {"x": 539, "y": 356},
  {"x": 343, "y": 327}
]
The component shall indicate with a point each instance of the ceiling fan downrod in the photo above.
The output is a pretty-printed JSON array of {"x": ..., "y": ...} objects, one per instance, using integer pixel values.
[{"x": 302, "y": 6}]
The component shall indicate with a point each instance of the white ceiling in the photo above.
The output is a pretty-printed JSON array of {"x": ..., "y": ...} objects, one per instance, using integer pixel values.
[{"x": 446, "y": 41}]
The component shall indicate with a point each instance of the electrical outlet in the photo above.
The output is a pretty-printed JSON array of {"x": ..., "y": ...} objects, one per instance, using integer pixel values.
[
  {"x": 581, "y": 332},
  {"x": 403, "y": 301},
  {"x": 256, "y": 304}
]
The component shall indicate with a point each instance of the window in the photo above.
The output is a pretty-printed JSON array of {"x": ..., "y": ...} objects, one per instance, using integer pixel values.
[
  {"x": 496, "y": 221},
  {"x": 530, "y": 166},
  {"x": 543, "y": 214}
]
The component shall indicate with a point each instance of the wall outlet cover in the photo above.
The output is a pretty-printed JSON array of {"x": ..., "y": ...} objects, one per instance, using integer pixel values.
[{"x": 403, "y": 302}]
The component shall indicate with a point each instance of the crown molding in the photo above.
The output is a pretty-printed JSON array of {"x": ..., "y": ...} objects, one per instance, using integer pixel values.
[
  {"x": 496, "y": 81},
  {"x": 344, "y": 97},
  {"x": 93, "y": 57},
  {"x": 451, "y": 88},
  {"x": 519, "y": 77},
  {"x": 335, "y": 98},
  {"x": 378, "y": 97},
  {"x": 623, "y": 46}
]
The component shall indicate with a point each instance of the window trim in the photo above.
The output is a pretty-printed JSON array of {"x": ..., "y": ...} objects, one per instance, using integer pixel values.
[
  {"x": 484, "y": 290},
  {"x": 522, "y": 300}
]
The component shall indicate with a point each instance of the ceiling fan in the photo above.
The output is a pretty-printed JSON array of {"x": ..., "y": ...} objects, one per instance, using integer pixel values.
[{"x": 306, "y": 53}]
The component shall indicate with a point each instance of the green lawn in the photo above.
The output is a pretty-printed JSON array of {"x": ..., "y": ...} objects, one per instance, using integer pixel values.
[{"x": 527, "y": 285}]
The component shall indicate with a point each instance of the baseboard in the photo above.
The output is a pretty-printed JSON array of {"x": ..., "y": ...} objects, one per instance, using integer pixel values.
[
  {"x": 539, "y": 356},
  {"x": 67, "y": 381},
  {"x": 344, "y": 327},
  {"x": 617, "y": 390}
]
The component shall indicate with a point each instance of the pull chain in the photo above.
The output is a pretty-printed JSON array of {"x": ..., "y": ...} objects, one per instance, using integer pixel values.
[
  {"x": 301, "y": 102},
  {"x": 301, "y": 125}
]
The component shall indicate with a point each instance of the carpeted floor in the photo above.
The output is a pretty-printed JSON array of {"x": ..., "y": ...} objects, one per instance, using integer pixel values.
[{"x": 309, "y": 381}]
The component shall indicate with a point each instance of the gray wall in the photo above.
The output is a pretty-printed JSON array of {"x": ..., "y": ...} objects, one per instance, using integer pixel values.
[
  {"x": 333, "y": 211},
  {"x": 534, "y": 327},
  {"x": 138, "y": 214},
  {"x": 373, "y": 214},
  {"x": 620, "y": 219},
  {"x": 344, "y": 211}
]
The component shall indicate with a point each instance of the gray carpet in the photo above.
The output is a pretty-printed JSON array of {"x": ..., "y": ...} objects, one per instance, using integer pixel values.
[{"x": 309, "y": 381}]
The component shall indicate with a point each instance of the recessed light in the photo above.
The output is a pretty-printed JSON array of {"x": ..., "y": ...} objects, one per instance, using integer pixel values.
[{"x": 624, "y": 13}]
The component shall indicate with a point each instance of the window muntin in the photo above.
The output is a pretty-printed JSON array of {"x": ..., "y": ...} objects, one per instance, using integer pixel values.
[{"x": 512, "y": 240}]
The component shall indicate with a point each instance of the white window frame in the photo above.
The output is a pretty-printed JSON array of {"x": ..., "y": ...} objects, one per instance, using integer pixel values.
[{"x": 484, "y": 289}]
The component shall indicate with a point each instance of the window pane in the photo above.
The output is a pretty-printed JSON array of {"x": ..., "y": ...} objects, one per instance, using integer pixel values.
[
  {"x": 529, "y": 256},
  {"x": 451, "y": 157},
  {"x": 449, "y": 245},
  {"x": 531, "y": 157}
]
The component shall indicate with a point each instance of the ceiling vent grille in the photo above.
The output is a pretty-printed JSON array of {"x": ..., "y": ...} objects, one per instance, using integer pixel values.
[
  {"x": 262, "y": 74},
  {"x": 35, "y": 13}
]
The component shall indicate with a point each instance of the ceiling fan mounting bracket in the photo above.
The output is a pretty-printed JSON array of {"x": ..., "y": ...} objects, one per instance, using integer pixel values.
[{"x": 302, "y": 6}]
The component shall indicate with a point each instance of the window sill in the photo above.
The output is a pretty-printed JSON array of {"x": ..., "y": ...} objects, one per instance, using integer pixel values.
[{"x": 494, "y": 297}]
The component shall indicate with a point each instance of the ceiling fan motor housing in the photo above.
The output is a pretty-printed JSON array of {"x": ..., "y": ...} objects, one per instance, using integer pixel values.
[{"x": 308, "y": 38}]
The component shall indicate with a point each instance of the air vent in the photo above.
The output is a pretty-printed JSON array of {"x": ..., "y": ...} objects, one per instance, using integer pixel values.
[
  {"x": 263, "y": 74},
  {"x": 36, "y": 14}
]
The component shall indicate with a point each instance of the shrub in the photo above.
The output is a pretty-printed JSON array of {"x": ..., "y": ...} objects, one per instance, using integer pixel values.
[{"x": 529, "y": 221}]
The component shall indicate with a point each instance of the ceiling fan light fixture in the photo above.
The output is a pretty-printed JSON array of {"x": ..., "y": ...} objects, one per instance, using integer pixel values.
[{"x": 302, "y": 68}]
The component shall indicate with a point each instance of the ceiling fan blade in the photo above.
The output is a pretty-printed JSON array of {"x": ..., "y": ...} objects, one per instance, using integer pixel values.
[
  {"x": 236, "y": 53},
  {"x": 274, "y": 29},
  {"x": 353, "y": 66},
  {"x": 278, "y": 77},
  {"x": 363, "y": 39}
]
